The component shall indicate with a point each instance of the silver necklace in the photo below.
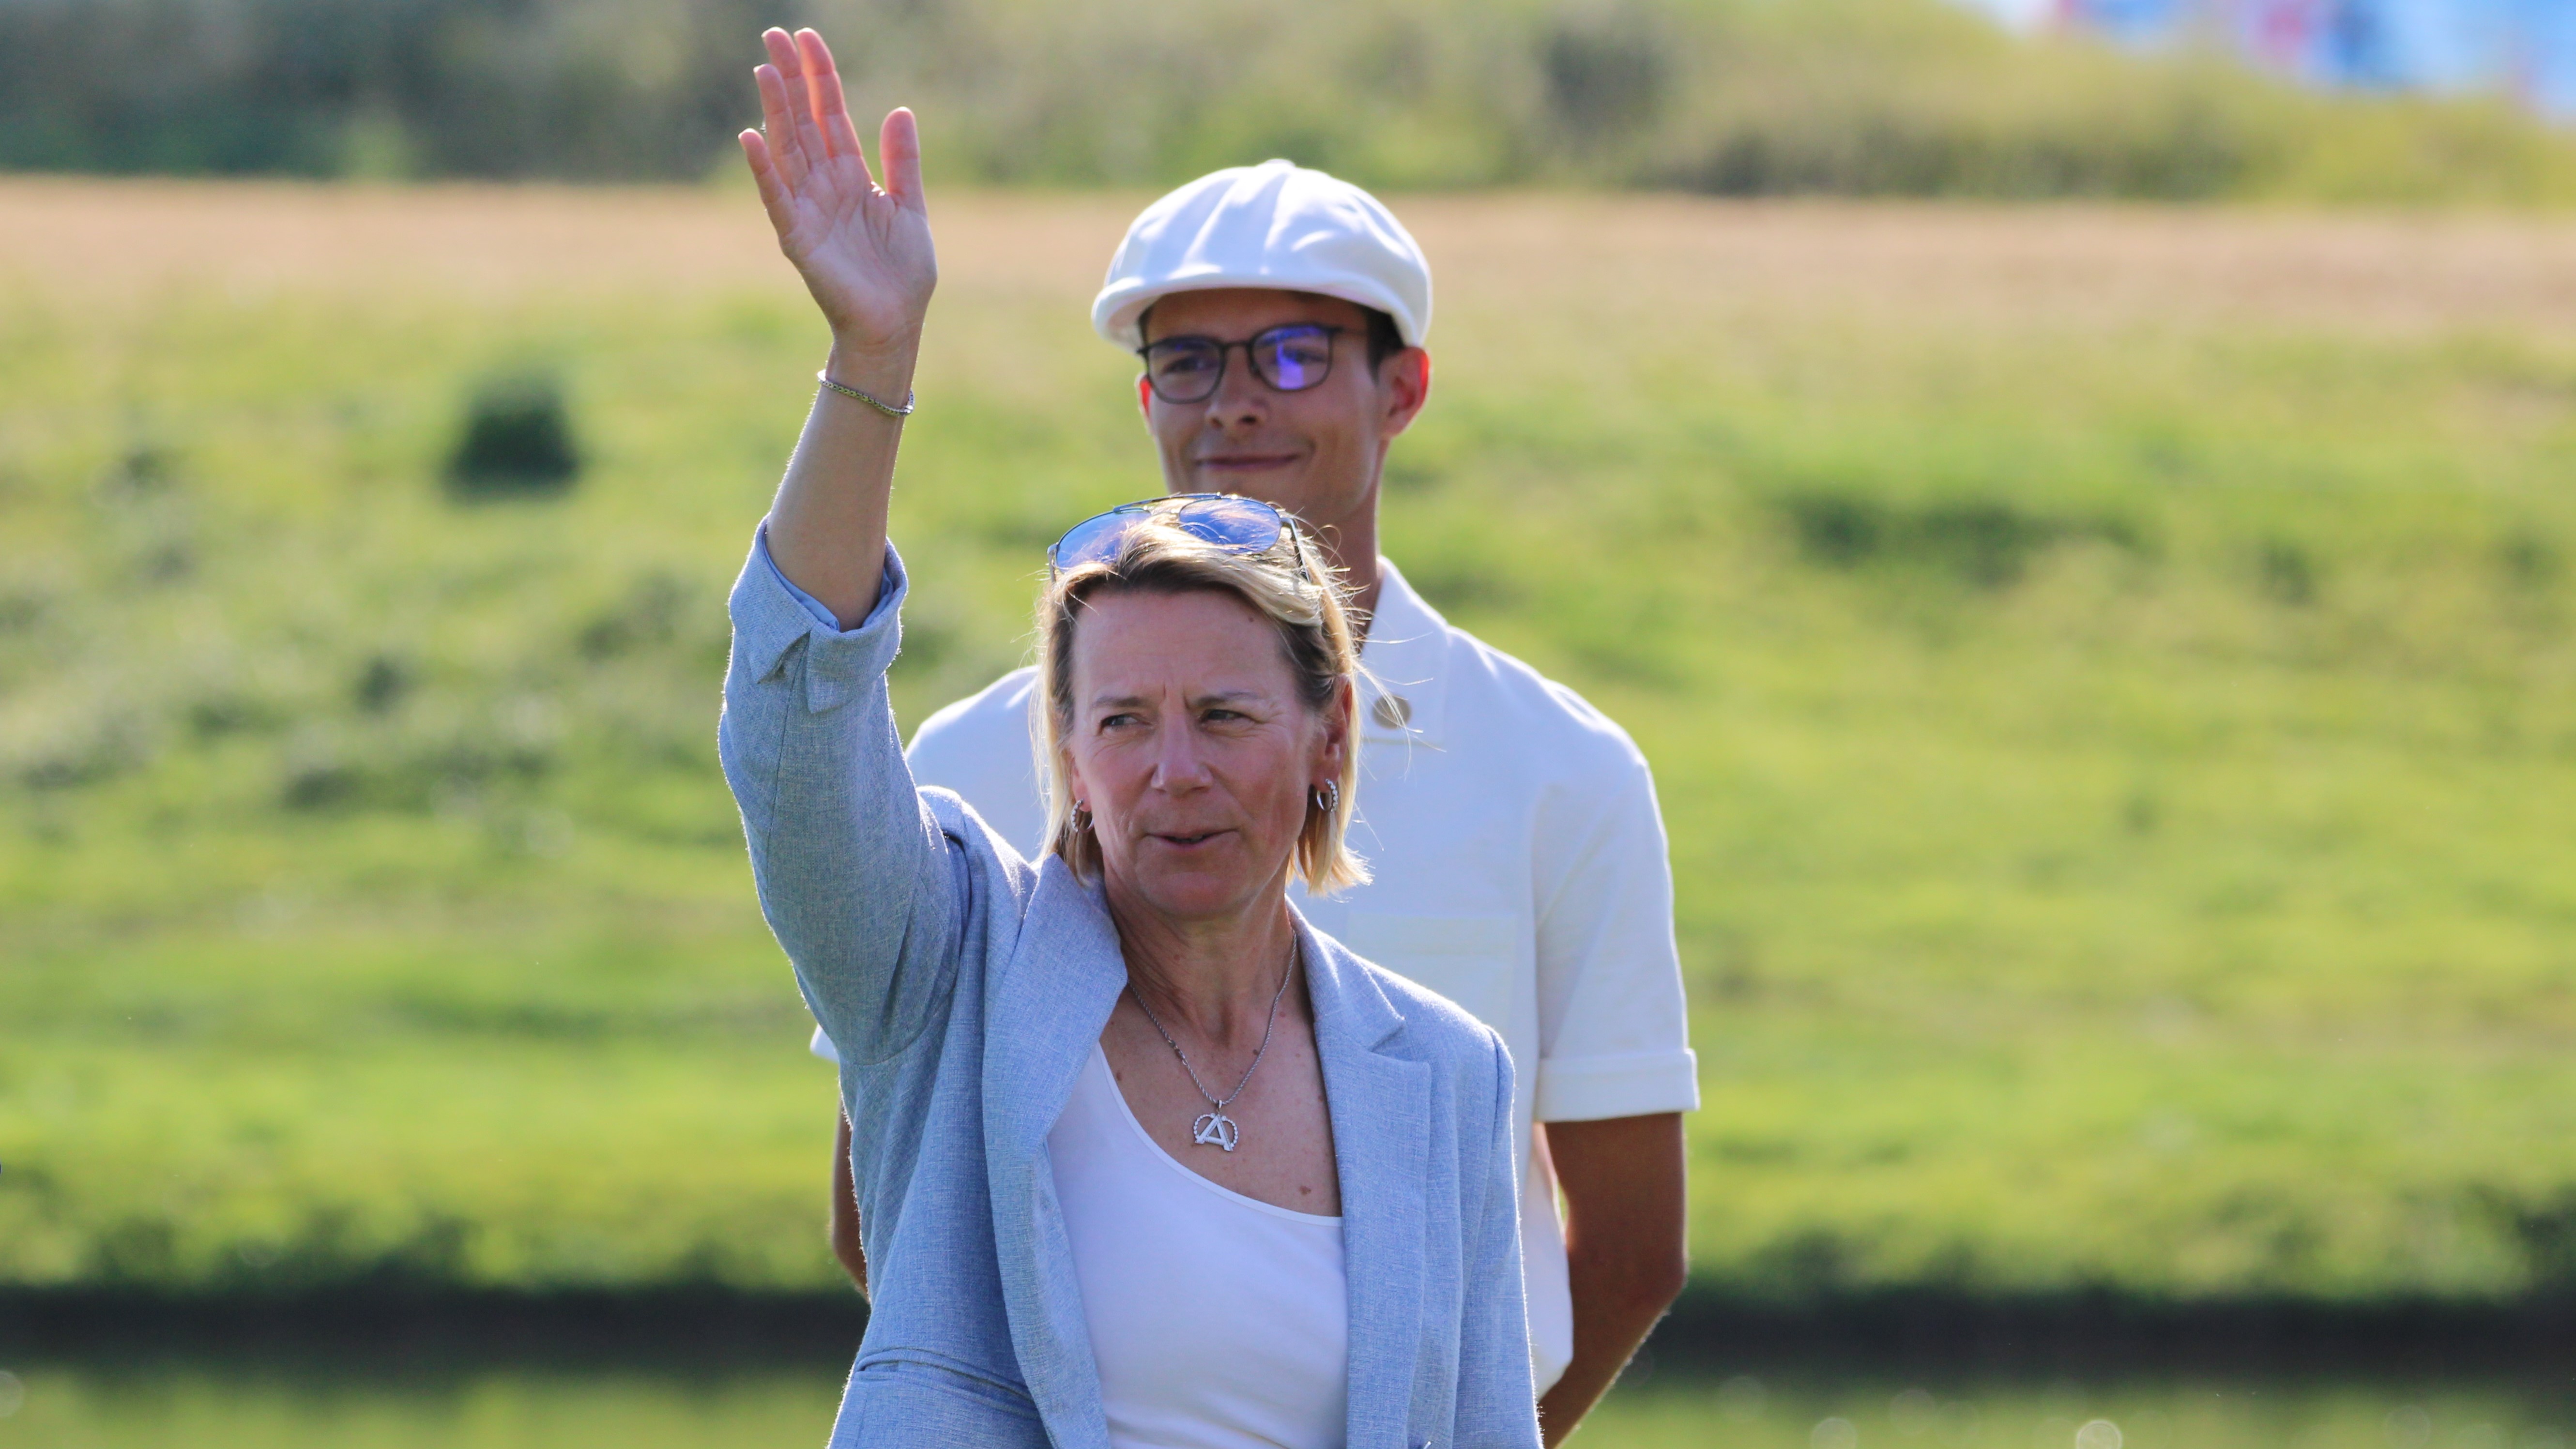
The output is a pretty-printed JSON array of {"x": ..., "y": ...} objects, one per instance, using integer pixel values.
[{"x": 1213, "y": 1128}]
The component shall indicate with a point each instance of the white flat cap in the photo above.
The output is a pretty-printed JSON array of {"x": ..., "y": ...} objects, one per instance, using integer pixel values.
[{"x": 1272, "y": 225}]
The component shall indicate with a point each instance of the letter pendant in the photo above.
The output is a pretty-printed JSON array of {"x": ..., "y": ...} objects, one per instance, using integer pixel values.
[{"x": 1214, "y": 1129}]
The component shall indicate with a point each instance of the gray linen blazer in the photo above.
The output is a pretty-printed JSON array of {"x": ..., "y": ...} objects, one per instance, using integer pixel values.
[{"x": 965, "y": 987}]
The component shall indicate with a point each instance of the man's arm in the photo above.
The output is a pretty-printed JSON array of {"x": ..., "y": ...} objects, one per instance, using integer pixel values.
[
  {"x": 1625, "y": 1257},
  {"x": 845, "y": 1212},
  {"x": 1615, "y": 1069}
]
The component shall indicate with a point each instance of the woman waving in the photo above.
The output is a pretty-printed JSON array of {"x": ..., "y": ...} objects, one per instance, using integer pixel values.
[{"x": 1143, "y": 1159}]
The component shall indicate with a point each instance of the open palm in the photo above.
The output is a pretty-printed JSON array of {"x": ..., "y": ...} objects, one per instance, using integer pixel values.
[{"x": 863, "y": 248}]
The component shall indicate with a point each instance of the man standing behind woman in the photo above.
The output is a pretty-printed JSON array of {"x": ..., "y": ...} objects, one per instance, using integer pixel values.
[{"x": 1520, "y": 862}]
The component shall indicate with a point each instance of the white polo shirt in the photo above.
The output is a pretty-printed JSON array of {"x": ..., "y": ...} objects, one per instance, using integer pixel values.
[{"x": 1520, "y": 870}]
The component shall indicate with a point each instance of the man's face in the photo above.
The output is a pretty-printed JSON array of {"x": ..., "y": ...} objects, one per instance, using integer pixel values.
[{"x": 1316, "y": 452}]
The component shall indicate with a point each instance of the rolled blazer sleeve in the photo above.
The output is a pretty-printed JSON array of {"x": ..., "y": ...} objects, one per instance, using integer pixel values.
[{"x": 865, "y": 893}]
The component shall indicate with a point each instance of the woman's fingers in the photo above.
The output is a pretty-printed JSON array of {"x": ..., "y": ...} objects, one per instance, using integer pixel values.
[
  {"x": 782, "y": 51},
  {"x": 823, "y": 78},
  {"x": 899, "y": 147},
  {"x": 764, "y": 175},
  {"x": 775, "y": 123},
  {"x": 804, "y": 102},
  {"x": 789, "y": 138}
]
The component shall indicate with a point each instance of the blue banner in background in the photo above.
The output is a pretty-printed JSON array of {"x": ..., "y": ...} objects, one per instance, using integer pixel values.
[
  {"x": 2548, "y": 57},
  {"x": 2525, "y": 47}
]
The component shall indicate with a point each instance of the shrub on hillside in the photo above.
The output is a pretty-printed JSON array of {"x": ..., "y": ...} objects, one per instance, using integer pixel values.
[{"x": 516, "y": 441}]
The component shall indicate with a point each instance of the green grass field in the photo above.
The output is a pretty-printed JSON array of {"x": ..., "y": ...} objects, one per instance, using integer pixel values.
[
  {"x": 221, "y": 1406},
  {"x": 2108, "y": 672}
]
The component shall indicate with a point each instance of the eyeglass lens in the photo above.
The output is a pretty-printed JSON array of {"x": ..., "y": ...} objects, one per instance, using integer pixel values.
[{"x": 1291, "y": 359}]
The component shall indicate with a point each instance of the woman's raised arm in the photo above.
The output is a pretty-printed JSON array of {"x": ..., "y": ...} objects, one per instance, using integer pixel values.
[
  {"x": 855, "y": 877},
  {"x": 864, "y": 251}
]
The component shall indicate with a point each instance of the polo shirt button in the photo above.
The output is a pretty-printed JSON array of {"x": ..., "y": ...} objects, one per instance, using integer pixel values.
[{"x": 1392, "y": 711}]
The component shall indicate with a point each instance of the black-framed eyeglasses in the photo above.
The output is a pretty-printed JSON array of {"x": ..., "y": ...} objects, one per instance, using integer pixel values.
[
  {"x": 1229, "y": 520},
  {"x": 1292, "y": 358}
]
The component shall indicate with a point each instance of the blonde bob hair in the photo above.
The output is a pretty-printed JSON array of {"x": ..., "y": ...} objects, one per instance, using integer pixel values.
[{"x": 1305, "y": 604}]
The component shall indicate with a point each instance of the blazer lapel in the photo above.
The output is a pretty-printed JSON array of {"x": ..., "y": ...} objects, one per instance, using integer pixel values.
[
  {"x": 1043, "y": 1014},
  {"x": 1381, "y": 1112}
]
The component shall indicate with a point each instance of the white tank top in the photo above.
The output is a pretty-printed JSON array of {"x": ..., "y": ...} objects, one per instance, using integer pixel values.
[{"x": 1217, "y": 1320}]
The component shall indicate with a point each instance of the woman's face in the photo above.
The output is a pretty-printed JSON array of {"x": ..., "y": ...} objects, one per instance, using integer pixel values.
[{"x": 1192, "y": 750}]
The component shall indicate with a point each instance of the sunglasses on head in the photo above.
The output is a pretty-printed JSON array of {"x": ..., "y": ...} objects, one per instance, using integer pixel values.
[{"x": 1233, "y": 523}]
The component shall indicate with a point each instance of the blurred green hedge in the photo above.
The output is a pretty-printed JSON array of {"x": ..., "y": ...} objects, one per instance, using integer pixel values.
[{"x": 1743, "y": 97}]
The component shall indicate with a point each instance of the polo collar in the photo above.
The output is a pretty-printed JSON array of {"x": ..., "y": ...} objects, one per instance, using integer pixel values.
[{"x": 1405, "y": 687}]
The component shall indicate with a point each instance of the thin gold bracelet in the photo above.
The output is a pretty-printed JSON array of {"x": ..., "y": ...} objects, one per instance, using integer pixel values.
[{"x": 898, "y": 414}]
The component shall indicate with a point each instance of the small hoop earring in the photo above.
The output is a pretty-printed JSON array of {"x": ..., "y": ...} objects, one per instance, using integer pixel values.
[
  {"x": 1329, "y": 798},
  {"x": 1081, "y": 817}
]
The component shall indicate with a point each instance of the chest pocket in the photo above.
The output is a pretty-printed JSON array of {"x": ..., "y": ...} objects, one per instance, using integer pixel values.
[{"x": 1472, "y": 960}]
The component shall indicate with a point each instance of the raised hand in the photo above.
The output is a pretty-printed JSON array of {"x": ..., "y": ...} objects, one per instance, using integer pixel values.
[
  {"x": 864, "y": 251},
  {"x": 863, "y": 247}
]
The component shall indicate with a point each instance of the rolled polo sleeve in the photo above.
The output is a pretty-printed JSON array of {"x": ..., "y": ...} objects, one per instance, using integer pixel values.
[{"x": 1615, "y": 1038}]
